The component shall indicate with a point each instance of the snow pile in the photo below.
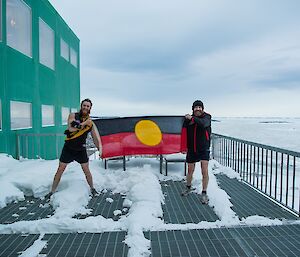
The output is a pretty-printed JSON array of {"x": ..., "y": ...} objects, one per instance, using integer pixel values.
[{"x": 139, "y": 185}]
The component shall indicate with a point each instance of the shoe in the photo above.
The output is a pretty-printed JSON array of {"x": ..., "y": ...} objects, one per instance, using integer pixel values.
[
  {"x": 204, "y": 198},
  {"x": 94, "y": 192},
  {"x": 48, "y": 196},
  {"x": 186, "y": 191}
]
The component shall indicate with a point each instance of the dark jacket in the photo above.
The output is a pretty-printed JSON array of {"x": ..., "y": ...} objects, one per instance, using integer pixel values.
[{"x": 198, "y": 133}]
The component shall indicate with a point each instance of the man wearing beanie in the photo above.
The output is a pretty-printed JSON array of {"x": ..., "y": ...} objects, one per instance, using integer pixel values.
[{"x": 198, "y": 127}]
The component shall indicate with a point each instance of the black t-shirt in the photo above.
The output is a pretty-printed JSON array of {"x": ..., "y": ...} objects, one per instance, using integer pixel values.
[{"x": 77, "y": 140}]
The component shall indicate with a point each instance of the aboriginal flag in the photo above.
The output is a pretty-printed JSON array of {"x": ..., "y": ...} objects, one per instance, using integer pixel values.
[{"x": 141, "y": 135}]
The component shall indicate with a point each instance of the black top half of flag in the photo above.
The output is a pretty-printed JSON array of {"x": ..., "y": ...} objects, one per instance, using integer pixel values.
[{"x": 167, "y": 124}]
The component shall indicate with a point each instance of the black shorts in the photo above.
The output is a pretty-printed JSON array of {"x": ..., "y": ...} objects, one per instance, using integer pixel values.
[
  {"x": 192, "y": 157},
  {"x": 68, "y": 155}
]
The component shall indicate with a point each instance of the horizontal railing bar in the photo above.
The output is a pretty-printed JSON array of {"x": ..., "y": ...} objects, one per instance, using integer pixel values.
[
  {"x": 41, "y": 135},
  {"x": 232, "y": 153},
  {"x": 293, "y": 153}
]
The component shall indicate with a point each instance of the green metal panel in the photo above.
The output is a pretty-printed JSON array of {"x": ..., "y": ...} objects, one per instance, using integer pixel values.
[
  {"x": 3, "y": 140},
  {"x": 23, "y": 78}
]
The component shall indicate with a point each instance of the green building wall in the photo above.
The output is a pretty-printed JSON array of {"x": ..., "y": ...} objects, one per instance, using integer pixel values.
[{"x": 24, "y": 79}]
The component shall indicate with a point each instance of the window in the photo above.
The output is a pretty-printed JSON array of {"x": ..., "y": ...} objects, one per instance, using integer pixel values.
[
  {"x": 73, "y": 110},
  {"x": 46, "y": 44},
  {"x": 0, "y": 23},
  {"x": 48, "y": 115},
  {"x": 0, "y": 116},
  {"x": 65, "y": 111},
  {"x": 18, "y": 26},
  {"x": 64, "y": 49},
  {"x": 73, "y": 57},
  {"x": 20, "y": 115}
]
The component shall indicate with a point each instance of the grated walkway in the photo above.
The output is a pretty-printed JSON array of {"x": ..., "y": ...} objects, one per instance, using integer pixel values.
[
  {"x": 68, "y": 245},
  {"x": 13, "y": 245},
  {"x": 105, "y": 204},
  {"x": 247, "y": 202},
  {"x": 105, "y": 244},
  {"x": 184, "y": 209},
  {"x": 274, "y": 241},
  {"x": 29, "y": 209},
  {"x": 237, "y": 241}
]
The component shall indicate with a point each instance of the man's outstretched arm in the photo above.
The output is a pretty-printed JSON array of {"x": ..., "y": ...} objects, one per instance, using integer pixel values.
[{"x": 96, "y": 138}]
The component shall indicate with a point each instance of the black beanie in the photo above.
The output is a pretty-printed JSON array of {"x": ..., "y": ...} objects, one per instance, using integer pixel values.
[{"x": 197, "y": 103}]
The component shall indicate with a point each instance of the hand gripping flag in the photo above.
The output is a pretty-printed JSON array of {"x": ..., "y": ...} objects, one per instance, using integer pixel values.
[{"x": 144, "y": 135}]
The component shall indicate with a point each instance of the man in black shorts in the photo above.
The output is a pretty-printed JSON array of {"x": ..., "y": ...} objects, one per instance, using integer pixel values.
[
  {"x": 198, "y": 127},
  {"x": 79, "y": 125}
]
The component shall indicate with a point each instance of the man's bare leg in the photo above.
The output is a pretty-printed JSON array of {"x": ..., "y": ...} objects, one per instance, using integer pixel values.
[
  {"x": 189, "y": 176},
  {"x": 88, "y": 176},
  {"x": 205, "y": 177},
  {"x": 87, "y": 173},
  {"x": 60, "y": 170},
  {"x": 204, "y": 169}
]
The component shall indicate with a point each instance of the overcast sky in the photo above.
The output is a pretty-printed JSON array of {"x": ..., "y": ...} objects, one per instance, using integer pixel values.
[{"x": 241, "y": 58}]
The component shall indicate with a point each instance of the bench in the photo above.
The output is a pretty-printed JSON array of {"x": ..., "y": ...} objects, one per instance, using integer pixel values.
[
  {"x": 172, "y": 158},
  {"x": 175, "y": 158},
  {"x": 123, "y": 158}
]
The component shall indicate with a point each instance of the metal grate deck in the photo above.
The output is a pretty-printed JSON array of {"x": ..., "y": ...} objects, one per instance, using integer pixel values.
[
  {"x": 247, "y": 202},
  {"x": 272, "y": 241},
  {"x": 184, "y": 209},
  {"x": 100, "y": 206},
  {"x": 29, "y": 209},
  {"x": 68, "y": 245},
  {"x": 86, "y": 244},
  {"x": 13, "y": 245}
]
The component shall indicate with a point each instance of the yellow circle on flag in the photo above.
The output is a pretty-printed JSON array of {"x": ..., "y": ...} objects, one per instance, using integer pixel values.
[{"x": 148, "y": 132}]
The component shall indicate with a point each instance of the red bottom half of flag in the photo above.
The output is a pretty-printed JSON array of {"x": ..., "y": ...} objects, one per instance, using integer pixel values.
[{"x": 126, "y": 144}]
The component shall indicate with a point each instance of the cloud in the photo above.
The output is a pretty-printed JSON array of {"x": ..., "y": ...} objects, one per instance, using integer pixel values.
[
  {"x": 282, "y": 79},
  {"x": 160, "y": 56}
]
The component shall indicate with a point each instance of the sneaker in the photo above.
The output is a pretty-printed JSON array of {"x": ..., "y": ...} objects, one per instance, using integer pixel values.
[
  {"x": 204, "y": 198},
  {"x": 186, "y": 191},
  {"x": 48, "y": 196},
  {"x": 94, "y": 192}
]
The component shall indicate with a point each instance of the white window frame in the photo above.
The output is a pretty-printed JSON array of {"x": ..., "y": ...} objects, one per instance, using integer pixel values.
[
  {"x": 18, "y": 128},
  {"x": 30, "y": 29},
  {"x": 0, "y": 113},
  {"x": 53, "y": 111},
  {"x": 62, "y": 42},
  {"x": 41, "y": 21},
  {"x": 62, "y": 115},
  {"x": 1, "y": 24},
  {"x": 75, "y": 54}
]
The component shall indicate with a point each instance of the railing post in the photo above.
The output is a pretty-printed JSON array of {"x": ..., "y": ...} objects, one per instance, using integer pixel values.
[
  {"x": 160, "y": 163},
  {"x": 266, "y": 180},
  {"x": 281, "y": 177},
  {"x": 124, "y": 163},
  {"x": 56, "y": 146},
  {"x": 294, "y": 178},
  {"x": 262, "y": 169},
  {"x": 212, "y": 147},
  {"x": 17, "y": 146},
  {"x": 271, "y": 173},
  {"x": 287, "y": 179}
]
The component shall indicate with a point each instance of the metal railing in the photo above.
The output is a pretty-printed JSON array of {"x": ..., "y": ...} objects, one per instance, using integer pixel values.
[
  {"x": 34, "y": 146},
  {"x": 273, "y": 171},
  {"x": 45, "y": 145}
]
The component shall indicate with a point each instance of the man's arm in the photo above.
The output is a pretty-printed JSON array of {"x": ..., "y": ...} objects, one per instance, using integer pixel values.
[
  {"x": 96, "y": 138},
  {"x": 187, "y": 120},
  {"x": 71, "y": 118},
  {"x": 203, "y": 121}
]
